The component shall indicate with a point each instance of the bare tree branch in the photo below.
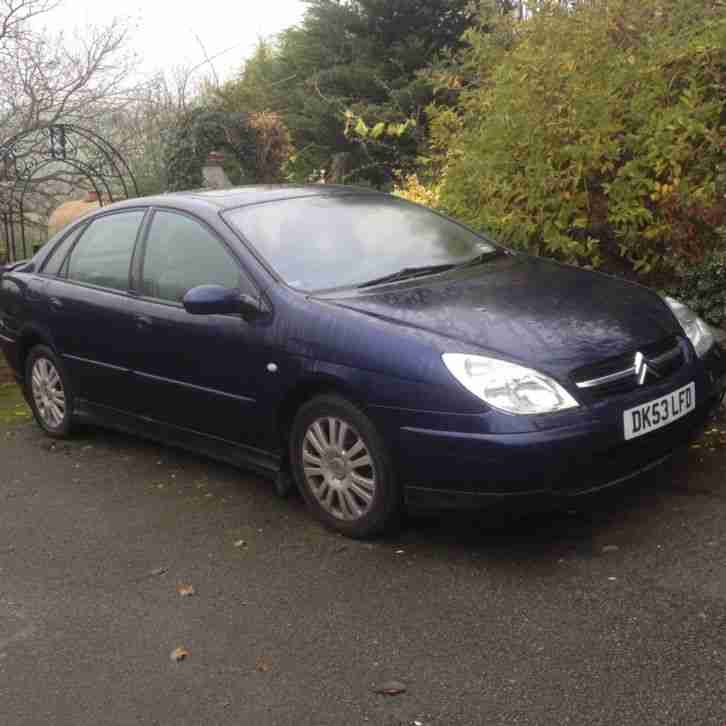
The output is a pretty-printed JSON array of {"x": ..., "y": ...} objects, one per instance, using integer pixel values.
[
  {"x": 15, "y": 14},
  {"x": 208, "y": 60}
]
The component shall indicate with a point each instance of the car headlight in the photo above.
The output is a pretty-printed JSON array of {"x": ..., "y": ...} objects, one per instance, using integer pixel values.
[
  {"x": 697, "y": 330},
  {"x": 507, "y": 386}
]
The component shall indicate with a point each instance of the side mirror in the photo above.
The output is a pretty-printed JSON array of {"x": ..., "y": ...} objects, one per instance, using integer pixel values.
[
  {"x": 218, "y": 300},
  {"x": 211, "y": 300}
]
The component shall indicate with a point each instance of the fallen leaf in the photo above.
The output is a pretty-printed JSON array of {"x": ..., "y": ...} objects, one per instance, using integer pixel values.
[
  {"x": 610, "y": 548},
  {"x": 263, "y": 666},
  {"x": 185, "y": 590},
  {"x": 159, "y": 570},
  {"x": 240, "y": 543},
  {"x": 391, "y": 688},
  {"x": 179, "y": 654}
]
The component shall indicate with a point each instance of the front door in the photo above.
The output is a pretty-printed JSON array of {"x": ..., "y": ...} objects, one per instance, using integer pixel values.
[{"x": 199, "y": 372}]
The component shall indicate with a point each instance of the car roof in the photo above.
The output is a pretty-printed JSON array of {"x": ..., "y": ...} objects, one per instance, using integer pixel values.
[{"x": 223, "y": 199}]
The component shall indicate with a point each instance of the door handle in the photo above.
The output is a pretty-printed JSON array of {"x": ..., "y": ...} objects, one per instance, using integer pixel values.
[
  {"x": 56, "y": 303},
  {"x": 143, "y": 322}
]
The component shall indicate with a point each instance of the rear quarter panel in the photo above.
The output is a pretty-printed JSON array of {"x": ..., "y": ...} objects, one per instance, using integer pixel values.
[{"x": 23, "y": 313}]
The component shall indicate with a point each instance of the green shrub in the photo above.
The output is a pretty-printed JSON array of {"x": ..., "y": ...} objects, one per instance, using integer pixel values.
[
  {"x": 595, "y": 135},
  {"x": 703, "y": 288}
]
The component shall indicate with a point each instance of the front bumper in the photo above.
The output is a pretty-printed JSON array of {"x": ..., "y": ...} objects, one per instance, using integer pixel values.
[{"x": 445, "y": 469}]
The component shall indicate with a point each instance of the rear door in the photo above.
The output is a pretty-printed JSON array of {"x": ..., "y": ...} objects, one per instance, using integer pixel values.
[
  {"x": 200, "y": 372},
  {"x": 91, "y": 313}
]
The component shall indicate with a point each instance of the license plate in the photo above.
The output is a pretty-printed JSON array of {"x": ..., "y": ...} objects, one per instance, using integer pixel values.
[{"x": 659, "y": 413}]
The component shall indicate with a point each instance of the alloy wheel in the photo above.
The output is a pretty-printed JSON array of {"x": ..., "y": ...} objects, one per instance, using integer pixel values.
[
  {"x": 48, "y": 393},
  {"x": 338, "y": 468}
]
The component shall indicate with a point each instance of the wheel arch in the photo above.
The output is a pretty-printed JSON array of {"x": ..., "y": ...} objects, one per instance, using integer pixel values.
[
  {"x": 29, "y": 337},
  {"x": 305, "y": 391}
]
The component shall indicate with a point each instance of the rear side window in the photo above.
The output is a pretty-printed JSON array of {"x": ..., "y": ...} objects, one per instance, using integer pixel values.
[
  {"x": 54, "y": 262},
  {"x": 103, "y": 254},
  {"x": 181, "y": 253}
]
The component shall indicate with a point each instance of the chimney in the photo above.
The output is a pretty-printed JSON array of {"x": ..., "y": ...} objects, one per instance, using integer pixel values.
[{"x": 215, "y": 158}]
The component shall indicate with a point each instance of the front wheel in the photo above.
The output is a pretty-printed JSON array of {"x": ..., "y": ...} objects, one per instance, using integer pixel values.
[
  {"x": 48, "y": 391},
  {"x": 342, "y": 468}
]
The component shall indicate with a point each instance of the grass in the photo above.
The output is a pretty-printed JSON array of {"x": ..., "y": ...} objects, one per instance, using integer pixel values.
[{"x": 13, "y": 407}]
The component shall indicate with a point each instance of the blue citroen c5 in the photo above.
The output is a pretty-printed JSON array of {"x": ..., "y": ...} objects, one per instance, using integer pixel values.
[{"x": 373, "y": 352}]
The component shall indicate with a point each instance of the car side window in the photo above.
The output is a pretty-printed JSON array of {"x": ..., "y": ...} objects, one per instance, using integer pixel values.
[
  {"x": 56, "y": 258},
  {"x": 182, "y": 253},
  {"x": 102, "y": 255}
]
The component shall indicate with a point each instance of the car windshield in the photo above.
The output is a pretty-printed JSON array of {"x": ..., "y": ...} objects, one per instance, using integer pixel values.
[{"x": 327, "y": 242}]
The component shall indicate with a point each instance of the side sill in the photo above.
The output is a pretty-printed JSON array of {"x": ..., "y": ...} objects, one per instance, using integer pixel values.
[{"x": 264, "y": 463}]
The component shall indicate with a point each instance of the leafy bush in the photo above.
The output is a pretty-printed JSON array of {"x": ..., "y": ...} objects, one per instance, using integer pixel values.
[
  {"x": 359, "y": 57},
  {"x": 273, "y": 146},
  {"x": 412, "y": 189},
  {"x": 594, "y": 134},
  {"x": 703, "y": 288}
]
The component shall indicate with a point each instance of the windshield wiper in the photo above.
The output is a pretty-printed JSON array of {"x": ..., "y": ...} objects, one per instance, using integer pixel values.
[
  {"x": 407, "y": 273},
  {"x": 411, "y": 272}
]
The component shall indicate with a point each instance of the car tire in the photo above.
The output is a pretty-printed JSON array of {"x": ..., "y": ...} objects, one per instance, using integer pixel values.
[
  {"x": 343, "y": 469},
  {"x": 48, "y": 391}
]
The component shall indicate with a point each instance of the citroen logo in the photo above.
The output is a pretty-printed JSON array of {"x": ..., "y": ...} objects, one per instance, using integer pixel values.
[{"x": 643, "y": 367}]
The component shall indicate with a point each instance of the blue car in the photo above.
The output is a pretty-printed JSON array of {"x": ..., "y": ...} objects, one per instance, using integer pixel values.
[{"x": 373, "y": 352}]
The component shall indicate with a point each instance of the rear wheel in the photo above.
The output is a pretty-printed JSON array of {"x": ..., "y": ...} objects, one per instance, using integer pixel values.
[
  {"x": 48, "y": 392},
  {"x": 342, "y": 468}
]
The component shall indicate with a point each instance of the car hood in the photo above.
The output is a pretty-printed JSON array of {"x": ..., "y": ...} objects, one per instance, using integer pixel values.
[{"x": 525, "y": 309}]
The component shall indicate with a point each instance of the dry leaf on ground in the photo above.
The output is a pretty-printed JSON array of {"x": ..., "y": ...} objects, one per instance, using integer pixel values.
[
  {"x": 391, "y": 688},
  {"x": 179, "y": 654}
]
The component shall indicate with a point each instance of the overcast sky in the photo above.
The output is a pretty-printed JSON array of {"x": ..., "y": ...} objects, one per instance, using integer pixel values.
[{"x": 166, "y": 28}]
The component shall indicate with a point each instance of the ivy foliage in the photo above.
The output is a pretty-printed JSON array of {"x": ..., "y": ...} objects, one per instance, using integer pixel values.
[
  {"x": 199, "y": 131},
  {"x": 256, "y": 146},
  {"x": 593, "y": 133}
]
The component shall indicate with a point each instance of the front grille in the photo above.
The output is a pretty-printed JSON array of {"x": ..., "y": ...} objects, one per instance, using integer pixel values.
[{"x": 617, "y": 375}]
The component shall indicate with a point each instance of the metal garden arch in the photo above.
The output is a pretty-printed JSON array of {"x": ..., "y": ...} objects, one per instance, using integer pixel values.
[{"x": 32, "y": 158}]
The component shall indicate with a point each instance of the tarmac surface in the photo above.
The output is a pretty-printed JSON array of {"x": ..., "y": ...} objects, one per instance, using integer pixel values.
[{"x": 613, "y": 613}]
